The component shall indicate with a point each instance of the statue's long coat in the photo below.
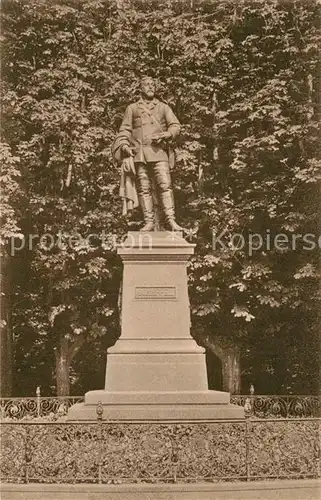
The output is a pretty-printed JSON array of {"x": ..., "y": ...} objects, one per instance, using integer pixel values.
[{"x": 141, "y": 121}]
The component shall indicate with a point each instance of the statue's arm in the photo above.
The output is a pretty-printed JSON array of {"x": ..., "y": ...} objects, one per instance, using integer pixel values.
[
  {"x": 173, "y": 125},
  {"x": 127, "y": 123},
  {"x": 122, "y": 139}
]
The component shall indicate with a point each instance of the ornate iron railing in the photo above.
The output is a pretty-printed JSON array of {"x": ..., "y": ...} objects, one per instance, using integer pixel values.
[
  {"x": 279, "y": 406},
  {"x": 256, "y": 406},
  {"x": 159, "y": 452},
  {"x": 50, "y": 408}
]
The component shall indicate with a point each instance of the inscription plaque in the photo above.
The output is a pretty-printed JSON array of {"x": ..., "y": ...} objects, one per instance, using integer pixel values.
[{"x": 155, "y": 292}]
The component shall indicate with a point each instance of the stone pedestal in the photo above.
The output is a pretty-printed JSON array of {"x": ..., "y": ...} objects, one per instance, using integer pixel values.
[{"x": 156, "y": 371}]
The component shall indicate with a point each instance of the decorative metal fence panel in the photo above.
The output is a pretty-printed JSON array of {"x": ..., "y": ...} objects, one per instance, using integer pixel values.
[
  {"x": 280, "y": 406},
  {"x": 37, "y": 407},
  {"x": 114, "y": 452},
  {"x": 284, "y": 448},
  {"x": 53, "y": 408}
]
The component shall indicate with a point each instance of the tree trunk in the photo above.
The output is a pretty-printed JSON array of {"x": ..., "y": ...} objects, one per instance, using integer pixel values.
[
  {"x": 62, "y": 368},
  {"x": 6, "y": 329},
  {"x": 65, "y": 353},
  {"x": 231, "y": 370},
  {"x": 230, "y": 357}
]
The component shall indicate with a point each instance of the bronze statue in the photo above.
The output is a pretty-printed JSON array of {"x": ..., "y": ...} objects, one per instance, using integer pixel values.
[{"x": 143, "y": 149}]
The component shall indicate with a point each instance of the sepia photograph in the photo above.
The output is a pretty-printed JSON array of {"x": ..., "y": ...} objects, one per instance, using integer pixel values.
[{"x": 160, "y": 250}]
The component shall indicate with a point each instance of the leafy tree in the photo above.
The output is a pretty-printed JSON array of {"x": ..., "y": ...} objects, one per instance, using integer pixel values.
[
  {"x": 243, "y": 79},
  {"x": 9, "y": 228}
]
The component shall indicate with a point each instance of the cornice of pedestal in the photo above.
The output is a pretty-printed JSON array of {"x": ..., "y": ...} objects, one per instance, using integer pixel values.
[
  {"x": 155, "y": 246},
  {"x": 164, "y": 345}
]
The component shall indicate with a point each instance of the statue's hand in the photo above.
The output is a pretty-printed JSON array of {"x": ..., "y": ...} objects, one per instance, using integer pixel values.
[
  {"x": 157, "y": 138},
  {"x": 127, "y": 152},
  {"x": 128, "y": 165}
]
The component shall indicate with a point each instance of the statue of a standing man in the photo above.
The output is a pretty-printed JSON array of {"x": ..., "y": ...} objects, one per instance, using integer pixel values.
[{"x": 142, "y": 148}]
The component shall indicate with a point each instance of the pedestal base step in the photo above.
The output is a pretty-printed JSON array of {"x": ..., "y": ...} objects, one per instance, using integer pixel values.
[{"x": 206, "y": 405}]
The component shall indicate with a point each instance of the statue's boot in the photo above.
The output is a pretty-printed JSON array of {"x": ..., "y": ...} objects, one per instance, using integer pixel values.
[
  {"x": 146, "y": 203},
  {"x": 144, "y": 189},
  {"x": 167, "y": 200},
  {"x": 149, "y": 226},
  {"x": 173, "y": 226}
]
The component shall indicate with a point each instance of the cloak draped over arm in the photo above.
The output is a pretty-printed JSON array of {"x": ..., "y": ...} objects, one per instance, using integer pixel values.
[
  {"x": 127, "y": 188},
  {"x": 123, "y": 138}
]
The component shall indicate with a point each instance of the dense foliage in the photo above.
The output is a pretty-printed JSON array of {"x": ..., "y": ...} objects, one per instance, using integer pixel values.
[{"x": 243, "y": 78}]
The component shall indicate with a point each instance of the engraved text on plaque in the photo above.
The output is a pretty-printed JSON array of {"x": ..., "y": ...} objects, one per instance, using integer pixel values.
[{"x": 155, "y": 292}]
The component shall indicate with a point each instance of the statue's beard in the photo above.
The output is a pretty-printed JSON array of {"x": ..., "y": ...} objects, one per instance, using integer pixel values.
[{"x": 149, "y": 95}]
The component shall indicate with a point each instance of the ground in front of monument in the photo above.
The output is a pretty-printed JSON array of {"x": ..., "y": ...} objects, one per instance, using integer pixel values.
[{"x": 263, "y": 490}]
